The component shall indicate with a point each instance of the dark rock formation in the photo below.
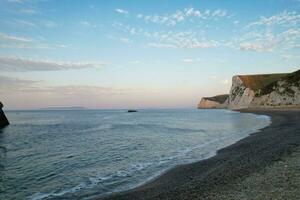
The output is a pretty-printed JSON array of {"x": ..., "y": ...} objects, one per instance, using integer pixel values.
[
  {"x": 3, "y": 119},
  {"x": 132, "y": 111}
]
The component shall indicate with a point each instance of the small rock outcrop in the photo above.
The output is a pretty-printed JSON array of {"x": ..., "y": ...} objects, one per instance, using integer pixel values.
[
  {"x": 3, "y": 119},
  {"x": 216, "y": 102},
  {"x": 130, "y": 111}
]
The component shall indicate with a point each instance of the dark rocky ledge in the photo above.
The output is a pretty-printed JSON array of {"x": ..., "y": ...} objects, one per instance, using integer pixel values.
[{"x": 3, "y": 119}]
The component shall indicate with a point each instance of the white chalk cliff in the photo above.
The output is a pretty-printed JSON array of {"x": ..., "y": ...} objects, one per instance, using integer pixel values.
[
  {"x": 216, "y": 102},
  {"x": 260, "y": 91}
]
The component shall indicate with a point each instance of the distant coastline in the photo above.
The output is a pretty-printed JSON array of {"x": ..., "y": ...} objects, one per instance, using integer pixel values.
[{"x": 64, "y": 108}]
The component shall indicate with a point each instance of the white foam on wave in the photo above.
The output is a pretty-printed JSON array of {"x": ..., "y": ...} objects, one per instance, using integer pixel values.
[
  {"x": 98, "y": 128},
  {"x": 94, "y": 181},
  {"x": 263, "y": 117},
  {"x": 230, "y": 111}
]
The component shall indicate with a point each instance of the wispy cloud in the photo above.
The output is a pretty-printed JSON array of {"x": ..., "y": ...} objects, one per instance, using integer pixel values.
[
  {"x": 161, "y": 45},
  {"x": 16, "y": 64},
  {"x": 12, "y": 38},
  {"x": 269, "y": 41},
  {"x": 48, "y": 23},
  {"x": 29, "y": 11},
  {"x": 288, "y": 57},
  {"x": 135, "y": 62},
  {"x": 191, "y": 60},
  {"x": 9, "y": 41},
  {"x": 25, "y": 23},
  {"x": 280, "y": 31},
  {"x": 10, "y": 82},
  {"x": 35, "y": 23},
  {"x": 169, "y": 39},
  {"x": 87, "y": 24},
  {"x": 121, "y": 11},
  {"x": 184, "y": 40},
  {"x": 181, "y": 15},
  {"x": 261, "y": 38},
  {"x": 16, "y": 1},
  {"x": 284, "y": 18},
  {"x": 125, "y": 40},
  {"x": 28, "y": 88}
]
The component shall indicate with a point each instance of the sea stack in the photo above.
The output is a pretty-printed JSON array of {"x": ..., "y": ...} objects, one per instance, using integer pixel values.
[{"x": 3, "y": 120}]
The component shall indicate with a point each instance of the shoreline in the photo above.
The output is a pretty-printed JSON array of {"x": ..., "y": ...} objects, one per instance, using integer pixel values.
[{"x": 206, "y": 178}]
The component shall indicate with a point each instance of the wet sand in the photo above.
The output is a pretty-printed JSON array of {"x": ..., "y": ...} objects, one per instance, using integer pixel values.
[{"x": 264, "y": 165}]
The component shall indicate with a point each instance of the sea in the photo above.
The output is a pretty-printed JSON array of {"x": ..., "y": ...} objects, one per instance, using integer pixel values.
[{"x": 84, "y": 154}]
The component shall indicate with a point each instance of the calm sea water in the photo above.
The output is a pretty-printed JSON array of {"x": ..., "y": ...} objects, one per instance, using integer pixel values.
[{"x": 87, "y": 153}]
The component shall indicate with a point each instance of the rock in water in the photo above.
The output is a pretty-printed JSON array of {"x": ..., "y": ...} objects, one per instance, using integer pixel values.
[
  {"x": 132, "y": 111},
  {"x": 3, "y": 119}
]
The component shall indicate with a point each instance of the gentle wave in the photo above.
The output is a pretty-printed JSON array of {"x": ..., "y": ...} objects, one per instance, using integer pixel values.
[
  {"x": 108, "y": 154},
  {"x": 136, "y": 126},
  {"x": 96, "y": 180}
]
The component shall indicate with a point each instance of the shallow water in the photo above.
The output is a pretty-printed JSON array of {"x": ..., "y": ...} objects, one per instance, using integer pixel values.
[{"x": 87, "y": 153}]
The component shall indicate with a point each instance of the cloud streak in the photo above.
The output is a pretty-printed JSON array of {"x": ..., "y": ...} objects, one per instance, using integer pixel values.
[
  {"x": 11, "y": 38},
  {"x": 191, "y": 60},
  {"x": 16, "y": 64},
  {"x": 9, "y": 82},
  {"x": 19, "y": 42},
  {"x": 11, "y": 85},
  {"x": 121, "y": 11}
]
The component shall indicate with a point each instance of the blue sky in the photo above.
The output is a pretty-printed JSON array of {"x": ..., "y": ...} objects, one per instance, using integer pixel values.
[{"x": 139, "y": 54}]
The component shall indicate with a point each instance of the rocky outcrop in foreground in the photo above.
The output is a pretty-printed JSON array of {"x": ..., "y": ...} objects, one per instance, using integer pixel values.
[
  {"x": 261, "y": 91},
  {"x": 220, "y": 101},
  {"x": 3, "y": 119}
]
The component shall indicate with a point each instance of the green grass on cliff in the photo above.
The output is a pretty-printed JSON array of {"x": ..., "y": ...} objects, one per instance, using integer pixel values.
[
  {"x": 219, "y": 98},
  {"x": 290, "y": 79},
  {"x": 258, "y": 82}
]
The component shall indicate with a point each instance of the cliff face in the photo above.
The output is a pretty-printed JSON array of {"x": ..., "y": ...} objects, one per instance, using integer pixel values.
[
  {"x": 282, "y": 93},
  {"x": 269, "y": 90},
  {"x": 240, "y": 96},
  {"x": 216, "y": 102},
  {"x": 258, "y": 91},
  {"x": 3, "y": 119}
]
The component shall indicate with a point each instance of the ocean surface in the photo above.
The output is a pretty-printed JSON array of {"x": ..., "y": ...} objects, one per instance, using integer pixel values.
[{"x": 89, "y": 153}]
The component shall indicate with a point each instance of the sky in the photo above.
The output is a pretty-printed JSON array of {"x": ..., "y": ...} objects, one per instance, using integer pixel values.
[{"x": 139, "y": 54}]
